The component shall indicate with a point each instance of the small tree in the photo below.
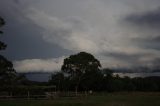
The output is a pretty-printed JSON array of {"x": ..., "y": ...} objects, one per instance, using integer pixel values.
[
  {"x": 57, "y": 79},
  {"x": 7, "y": 73},
  {"x": 2, "y": 45},
  {"x": 76, "y": 66}
]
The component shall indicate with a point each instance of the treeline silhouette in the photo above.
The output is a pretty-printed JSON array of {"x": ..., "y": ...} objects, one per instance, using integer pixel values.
[
  {"x": 82, "y": 72},
  {"x": 109, "y": 83}
]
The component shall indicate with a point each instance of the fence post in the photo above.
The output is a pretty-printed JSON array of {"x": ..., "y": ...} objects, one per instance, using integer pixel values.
[
  {"x": 11, "y": 95},
  {"x": 28, "y": 95}
]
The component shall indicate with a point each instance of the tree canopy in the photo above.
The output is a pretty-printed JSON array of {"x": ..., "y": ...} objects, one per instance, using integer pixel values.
[
  {"x": 80, "y": 63},
  {"x": 2, "y": 44},
  {"x": 7, "y": 72},
  {"x": 82, "y": 67}
]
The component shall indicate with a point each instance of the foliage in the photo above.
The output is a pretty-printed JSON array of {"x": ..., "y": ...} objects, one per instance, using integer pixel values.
[
  {"x": 82, "y": 68},
  {"x": 80, "y": 63},
  {"x": 97, "y": 81},
  {"x": 2, "y": 44},
  {"x": 58, "y": 80},
  {"x": 82, "y": 72},
  {"x": 7, "y": 73}
]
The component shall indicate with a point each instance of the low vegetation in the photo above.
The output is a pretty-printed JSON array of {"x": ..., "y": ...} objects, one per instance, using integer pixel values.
[{"x": 103, "y": 99}]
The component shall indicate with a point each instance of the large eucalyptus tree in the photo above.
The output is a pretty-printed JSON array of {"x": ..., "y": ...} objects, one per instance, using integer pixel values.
[{"x": 78, "y": 67}]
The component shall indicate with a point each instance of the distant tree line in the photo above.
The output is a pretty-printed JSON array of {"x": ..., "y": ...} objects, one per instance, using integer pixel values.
[
  {"x": 108, "y": 83},
  {"x": 81, "y": 72}
]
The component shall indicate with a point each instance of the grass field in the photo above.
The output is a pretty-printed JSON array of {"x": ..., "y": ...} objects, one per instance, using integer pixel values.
[{"x": 107, "y": 99}]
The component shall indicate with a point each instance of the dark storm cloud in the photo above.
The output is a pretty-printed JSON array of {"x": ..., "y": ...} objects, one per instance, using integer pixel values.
[
  {"x": 37, "y": 31},
  {"x": 152, "y": 42},
  {"x": 29, "y": 44},
  {"x": 156, "y": 62},
  {"x": 144, "y": 62},
  {"x": 155, "y": 39},
  {"x": 23, "y": 37},
  {"x": 150, "y": 18},
  {"x": 151, "y": 39},
  {"x": 16, "y": 1}
]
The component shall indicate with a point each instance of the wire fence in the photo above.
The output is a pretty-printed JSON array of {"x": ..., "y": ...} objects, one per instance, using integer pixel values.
[{"x": 46, "y": 95}]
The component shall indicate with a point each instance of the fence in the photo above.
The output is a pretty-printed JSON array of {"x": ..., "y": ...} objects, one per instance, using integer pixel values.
[{"x": 46, "y": 95}]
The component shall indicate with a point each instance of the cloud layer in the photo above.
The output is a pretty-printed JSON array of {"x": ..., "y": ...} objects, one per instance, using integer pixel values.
[
  {"x": 38, "y": 65},
  {"x": 120, "y": 33}
]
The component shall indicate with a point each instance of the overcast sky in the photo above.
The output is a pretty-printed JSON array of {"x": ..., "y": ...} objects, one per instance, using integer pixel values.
[{"x": 120, "y": 33}]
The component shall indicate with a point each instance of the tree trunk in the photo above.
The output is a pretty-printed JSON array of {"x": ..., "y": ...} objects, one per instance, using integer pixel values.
[{"x": 76, "y": 90}]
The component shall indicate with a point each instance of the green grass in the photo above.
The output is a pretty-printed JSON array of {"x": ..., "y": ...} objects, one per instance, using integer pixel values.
[{"x": 107, "y": 99}]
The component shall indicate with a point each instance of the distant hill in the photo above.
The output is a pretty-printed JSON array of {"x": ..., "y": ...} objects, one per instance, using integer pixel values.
[
  {"x": 44, "y": 77},
  {"x": 38, "y": 76}
]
